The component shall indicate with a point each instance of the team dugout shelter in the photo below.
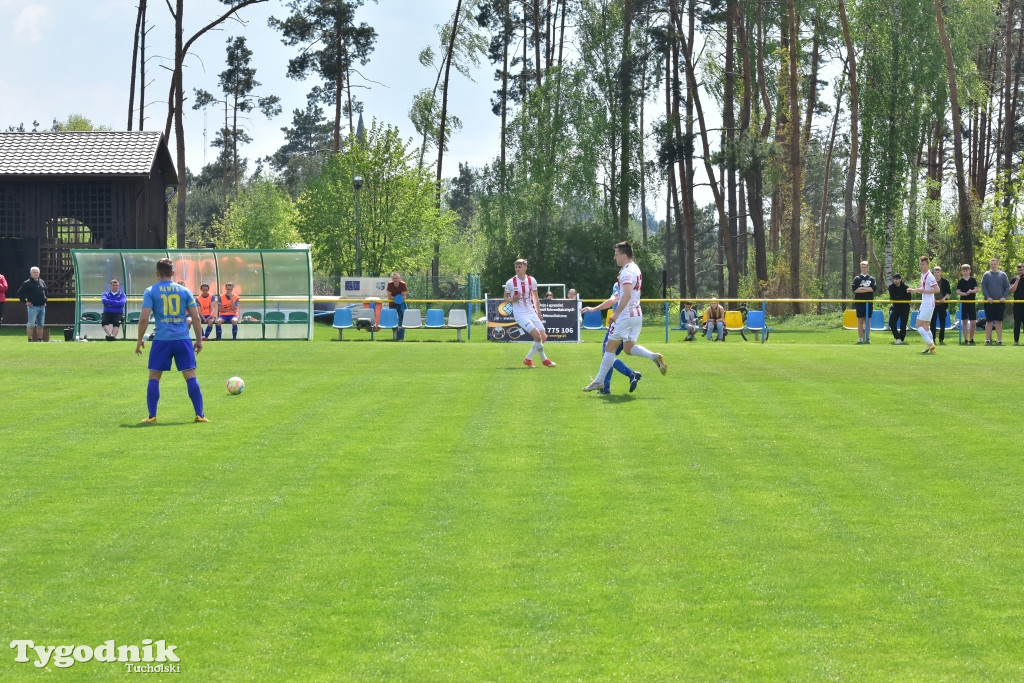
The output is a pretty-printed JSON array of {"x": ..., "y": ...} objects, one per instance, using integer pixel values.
[{"x": 275, "y": 287}]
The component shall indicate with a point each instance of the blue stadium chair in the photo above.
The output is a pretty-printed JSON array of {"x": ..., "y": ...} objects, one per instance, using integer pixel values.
[
  {"x": 756, "y": 324},
  {"x": 878, "y": 323},
  {"x": 388, "y": 320},
  {"x": 342, "y": 320},
  {"x": 913, "y": 320},
  {"x": 593, "y": 321},
  {"x": 435, "y": 318}
]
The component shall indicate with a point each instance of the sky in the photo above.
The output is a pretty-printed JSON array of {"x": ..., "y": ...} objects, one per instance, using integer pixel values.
[{"x": 63, "y": 57}]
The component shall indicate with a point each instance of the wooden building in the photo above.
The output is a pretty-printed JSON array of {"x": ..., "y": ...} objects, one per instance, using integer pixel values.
[{"x": 78, "y": 190}]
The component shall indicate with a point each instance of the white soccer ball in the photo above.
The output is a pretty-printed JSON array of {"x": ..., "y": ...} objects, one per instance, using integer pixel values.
[{"x": 235, "y": 385}]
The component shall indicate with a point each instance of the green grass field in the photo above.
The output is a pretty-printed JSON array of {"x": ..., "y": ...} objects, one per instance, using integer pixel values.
[{"x": 805, "y": 509}]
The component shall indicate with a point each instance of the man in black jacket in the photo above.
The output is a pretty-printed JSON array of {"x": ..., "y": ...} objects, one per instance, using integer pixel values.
[
  {"x": 899, "y": 313},
  {"x": 33, "y": 294}
]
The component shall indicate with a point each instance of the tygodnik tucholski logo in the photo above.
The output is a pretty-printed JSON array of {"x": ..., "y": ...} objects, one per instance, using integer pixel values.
[{"x": 63, "y": 656}]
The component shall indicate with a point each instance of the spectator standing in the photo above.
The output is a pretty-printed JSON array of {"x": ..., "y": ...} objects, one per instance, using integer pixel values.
[
  {"x": 634, "y": 377},
  {"x": 899, "y": 312},
  {"x": 967, "y": 290},
  {"x": 572, "y": 294},
  {"x": 397, "y": 293},
  {"x": 1018, "y": 303},
  {"x": 521, "y": 290},
  {"x": 112, "y": 318},
  {"x": 928, "y": 289},
  {"x": 228, "y": 309},
  {"x": 32, "y": 293},
  {"x": 941, "y": 305},
  {"x": 3, "y": 296},
  {"x": 688, "y": 321},
  {"x": 995, "y": 287},
  {"x": 627, "y": 319},
  {"x": 864, "y": 288},
  {"x": 170, "y": 303}
]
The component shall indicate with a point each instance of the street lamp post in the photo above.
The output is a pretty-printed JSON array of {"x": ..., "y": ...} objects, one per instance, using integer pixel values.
[{"x": 357, "y": 183}]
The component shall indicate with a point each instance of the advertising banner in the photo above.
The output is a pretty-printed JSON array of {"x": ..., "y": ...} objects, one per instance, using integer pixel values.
[{"x": 561, "y": 321}]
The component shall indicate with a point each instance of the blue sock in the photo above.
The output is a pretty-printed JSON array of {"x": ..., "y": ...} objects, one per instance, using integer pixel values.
[
  {"x": 234, "y": 331},
  {"x": 207, "y": 333},
  {"x": 152, "y": 396},
  {"x": 218, "y": 331},
  {"x": 195, "y": 394},
  {"x": 623, "y": 368},
  {"x": 608, "y": 380}
]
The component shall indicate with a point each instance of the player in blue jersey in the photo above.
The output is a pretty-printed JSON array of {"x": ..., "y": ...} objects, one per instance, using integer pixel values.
[
  {"x": 170, "y": 303},
  {"x": 634, "y": 376}
]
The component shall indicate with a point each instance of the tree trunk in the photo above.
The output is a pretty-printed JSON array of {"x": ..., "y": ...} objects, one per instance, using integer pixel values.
[
  {"x": 849, "y": 222},
  {"x": 964, "y": 238},
  {"x": 435, "y": 265},
  {"x": 139, "y": 28},
  {"x": 729, "y": 119},
  {"x": 142, "y": 70},
  {"x": 794, "y": 159},
  {"x": 625, "y": 107}
]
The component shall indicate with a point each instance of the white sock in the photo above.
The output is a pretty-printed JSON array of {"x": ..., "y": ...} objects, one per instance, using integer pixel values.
[
  {"x": 607, "y": 361},
  {"x": 926, "y": 335},
  {"x": 540, "y": 349},
  {"x": 533, "y": 350},
  {"x": 640, "y": 351}
]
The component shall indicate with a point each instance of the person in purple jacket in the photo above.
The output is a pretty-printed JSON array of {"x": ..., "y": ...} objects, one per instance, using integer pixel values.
[{"x": 113, "y": 310}]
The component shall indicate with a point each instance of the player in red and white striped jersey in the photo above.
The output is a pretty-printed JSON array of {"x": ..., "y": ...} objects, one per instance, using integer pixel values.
[
  {"x": 627, "y": 319},
  {"x": 521, "y": 290}
]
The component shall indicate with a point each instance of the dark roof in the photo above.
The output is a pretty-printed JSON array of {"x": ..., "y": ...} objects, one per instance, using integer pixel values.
[{"x": 86, "y": 154}]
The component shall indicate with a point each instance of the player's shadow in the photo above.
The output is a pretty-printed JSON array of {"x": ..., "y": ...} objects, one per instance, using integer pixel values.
[{"x": 144, "y": 425}]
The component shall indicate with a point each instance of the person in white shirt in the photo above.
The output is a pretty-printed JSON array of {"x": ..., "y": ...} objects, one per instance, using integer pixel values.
[
  {"x": 928, "y": 289},
  {"x": 521, "y": 290},
  {"x": 626, "y": 320}
]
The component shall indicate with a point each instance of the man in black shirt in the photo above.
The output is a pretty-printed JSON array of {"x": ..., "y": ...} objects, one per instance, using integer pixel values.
[
  {"x": 864, "y": 288},
  {"x": 967, "y": 290},
  {"x": 941, "y": 305},
  {"x": 899, "y": 314},
  {"x": 33, "y": 294}
]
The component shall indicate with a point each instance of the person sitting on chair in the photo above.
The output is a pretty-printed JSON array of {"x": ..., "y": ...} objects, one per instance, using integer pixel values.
[
  {"x": 688, "y": 321},
  {"x": 716, "y": 321}
]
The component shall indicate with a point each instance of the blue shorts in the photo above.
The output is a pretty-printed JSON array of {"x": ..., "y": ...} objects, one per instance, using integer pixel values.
[
  {"x": 229, "y": 318},
  {"x": 863, "y": 309},
  {"x": 36, "y": 315},
  {"x": 162, "y": 351}
]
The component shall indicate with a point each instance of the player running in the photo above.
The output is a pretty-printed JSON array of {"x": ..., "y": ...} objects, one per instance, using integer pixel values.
[
  {"x": 627, "y": 319},
  {"x": 521, "y": 290},
  {"x": 169, "y": 303},
  {"x": 634, "y": 377}
]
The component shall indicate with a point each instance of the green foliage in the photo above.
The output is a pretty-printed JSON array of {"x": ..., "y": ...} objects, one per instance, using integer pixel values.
[
  {"x": 261, "y": 217},
  {"x": 75, "y": 122},
  {"x": 398, "y": 221}
]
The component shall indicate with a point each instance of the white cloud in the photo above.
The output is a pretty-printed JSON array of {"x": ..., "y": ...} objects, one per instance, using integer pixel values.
[{"x": 30, "y": 22}]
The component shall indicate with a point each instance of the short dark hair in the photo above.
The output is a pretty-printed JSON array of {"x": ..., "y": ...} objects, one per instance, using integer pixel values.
[
  {"x": 165, "y": 267},
  {"x": 625, "y": 248}
]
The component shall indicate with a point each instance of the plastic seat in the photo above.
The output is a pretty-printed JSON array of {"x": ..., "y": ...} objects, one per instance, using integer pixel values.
[
  {"x": 850, "y": 319},
  {"x": 252, "y": 317},
  {"x": 878, "y": 323},
  {"x": 458, "y": 321},
  {"x": 593, "y": 320},
  {"x": 388, "y": 319},
  {"x": 435, "y": 318},
  {"x": 90, "y": 317},
  {"x": 734, "y": 321},
  {"x": 756, "y": 324},
  {"x": 913, "y": 320},
  {"x": 298, "y": 317},
  {"x": 275, "y": 317},
  {"x": 412, "y": 319},
  {"x": 342, "y": 320}
]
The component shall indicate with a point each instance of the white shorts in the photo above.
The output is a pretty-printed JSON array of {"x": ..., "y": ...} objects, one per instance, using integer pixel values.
[
  {"x": 626, "y": 329},
  {"x": 925, "y": 314},
  {"x": 529, "y": 322}
]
